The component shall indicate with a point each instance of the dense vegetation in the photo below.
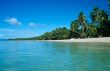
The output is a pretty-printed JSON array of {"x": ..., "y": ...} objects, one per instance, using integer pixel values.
[
  {"x": 81, "y": 28},
  {"x": 99, "y": 26},
  {"x": 59, "y": 33}
]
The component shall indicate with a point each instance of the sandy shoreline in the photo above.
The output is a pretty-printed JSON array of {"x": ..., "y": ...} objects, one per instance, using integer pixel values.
[{"x": 102, "y": 39}]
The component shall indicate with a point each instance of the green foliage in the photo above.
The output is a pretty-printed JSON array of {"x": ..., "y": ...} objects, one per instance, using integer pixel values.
[
  {"x": 100, "y": 21},
  {"x": 92, "y": 31},
  {"x": 59, "y": 33},
  {"x": 74, "y": 33}
]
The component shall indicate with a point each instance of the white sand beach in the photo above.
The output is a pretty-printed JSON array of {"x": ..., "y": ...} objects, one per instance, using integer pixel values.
[{"x": 101, "y": 39}]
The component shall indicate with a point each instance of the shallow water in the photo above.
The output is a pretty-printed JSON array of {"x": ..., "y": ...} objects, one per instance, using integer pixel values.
[{"x": 54, "y": 56}]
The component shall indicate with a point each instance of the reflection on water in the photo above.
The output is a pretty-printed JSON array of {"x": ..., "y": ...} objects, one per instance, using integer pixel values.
[{"x": 54, "y": 56}]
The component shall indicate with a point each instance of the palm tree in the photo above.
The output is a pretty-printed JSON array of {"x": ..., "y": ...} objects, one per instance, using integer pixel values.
[
  {"x": 74, "y": 29},
  {"x": 95, "y": 16},
  {"x": 100, "y": 20},
  {"x": 92, "y": 30},
  {"x": 74, "y": 26},
  {"x": 104, "y": 23},
  {"x": 104, "y": 15},
  {"x": 82, "y": 22}
]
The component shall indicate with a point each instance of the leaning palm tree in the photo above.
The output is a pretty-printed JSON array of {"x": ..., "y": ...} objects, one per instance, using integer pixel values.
[{"x": 82, "y": 21}]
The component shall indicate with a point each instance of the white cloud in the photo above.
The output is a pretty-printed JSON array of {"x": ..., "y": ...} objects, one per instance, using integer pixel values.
[
  {"x": 31, "y": 24},
  {"x": 12, "y": 21}
]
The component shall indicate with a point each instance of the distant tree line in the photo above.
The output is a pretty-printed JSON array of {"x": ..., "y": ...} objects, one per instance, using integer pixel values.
[{"x": 59, "y": 33}]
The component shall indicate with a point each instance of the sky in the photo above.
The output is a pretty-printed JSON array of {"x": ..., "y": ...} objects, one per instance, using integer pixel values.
[{"x": 30, "y": 18}]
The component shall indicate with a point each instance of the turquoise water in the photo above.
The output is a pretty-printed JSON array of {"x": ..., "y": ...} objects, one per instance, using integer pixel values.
[{"x": 54, "y": 56}]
